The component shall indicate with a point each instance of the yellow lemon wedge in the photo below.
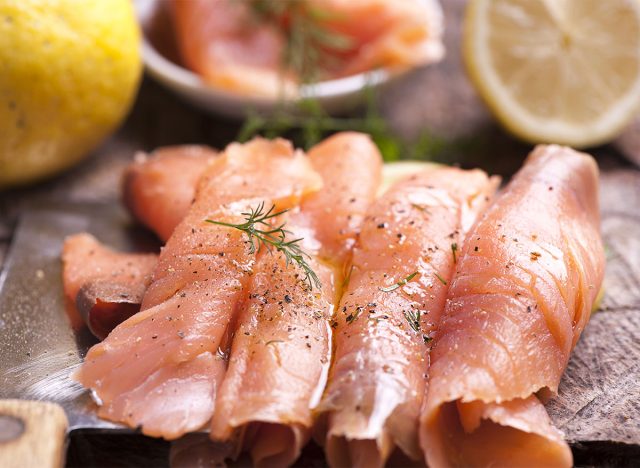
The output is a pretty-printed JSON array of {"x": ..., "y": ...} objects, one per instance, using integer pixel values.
[
  {"x": 556, "y": 71},
  {"x": 69, "y": 71}
]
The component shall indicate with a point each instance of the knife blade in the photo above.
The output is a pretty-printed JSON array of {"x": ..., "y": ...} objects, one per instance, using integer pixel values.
[{"x": 39, "y": 348}]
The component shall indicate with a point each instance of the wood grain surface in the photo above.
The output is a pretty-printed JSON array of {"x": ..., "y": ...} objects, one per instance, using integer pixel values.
[
  {"x": 32, "y": 434},
  {"x": 598, "y": 407}
]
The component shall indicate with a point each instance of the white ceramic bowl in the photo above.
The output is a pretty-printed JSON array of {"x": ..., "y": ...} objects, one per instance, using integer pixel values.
[{"x": 336, "y": 96}]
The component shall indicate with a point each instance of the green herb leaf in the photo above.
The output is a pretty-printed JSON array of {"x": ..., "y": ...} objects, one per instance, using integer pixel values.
[
  {"x": 454, "y": 249},
  {"x": 442, "y": 280},
  {"x": 413, "y": 317},
  {"x": 400, "y": 283},
  {"x": 273, "y": 236}
]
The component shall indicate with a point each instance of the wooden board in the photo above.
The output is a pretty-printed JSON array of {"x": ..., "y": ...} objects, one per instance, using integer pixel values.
[{"x": 599, "y": 398}]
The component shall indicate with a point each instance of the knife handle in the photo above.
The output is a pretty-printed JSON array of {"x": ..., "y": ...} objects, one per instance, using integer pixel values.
[{"x": 32, "y": 434}]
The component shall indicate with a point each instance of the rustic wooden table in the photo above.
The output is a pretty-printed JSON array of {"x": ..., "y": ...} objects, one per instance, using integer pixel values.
[{"x": 599, "y": 402}]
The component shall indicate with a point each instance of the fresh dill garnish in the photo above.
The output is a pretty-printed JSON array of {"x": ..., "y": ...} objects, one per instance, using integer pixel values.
[
  {"x": 427, "y": 339},
  {"x": 413, "y": 317},
  {"x": 307, "y": 123},
  {"x": 400, "y": 283},
  {"x": 454, "y": 249},
  {"x": 308, "y": 43},
  {"x": 273, "y": 237},
  {"x": 442, "y": 280}
]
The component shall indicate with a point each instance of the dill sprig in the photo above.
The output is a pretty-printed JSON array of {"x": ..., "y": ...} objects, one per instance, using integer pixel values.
[
  {"x": 307, "y": 123},
  {"x": 442, "y": 280},
  {"x": 273, "y": 237},
  {"x": 454, "y": 249},
  {"x": 400, "y": 283},
  {"x": 308, "y": 44},
  {"x": 413, "y": 317}
]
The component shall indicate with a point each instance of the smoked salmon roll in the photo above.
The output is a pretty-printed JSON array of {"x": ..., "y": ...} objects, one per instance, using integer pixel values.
[
  {"x": 158, "y": 188},
  {"x": 395, "y": 293},
  {"x": 160, "y": 369},
  {"x": 103, "y": 287},
  {"x": 282, "y": 346},
  {"x": 524, "y": 287}
]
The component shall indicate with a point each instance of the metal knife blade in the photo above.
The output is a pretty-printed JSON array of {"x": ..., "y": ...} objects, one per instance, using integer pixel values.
[{"x": 39, "y": 349}]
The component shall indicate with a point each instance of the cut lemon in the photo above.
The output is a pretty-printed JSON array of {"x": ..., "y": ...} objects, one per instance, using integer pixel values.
[{"x": 556, "y": 71}]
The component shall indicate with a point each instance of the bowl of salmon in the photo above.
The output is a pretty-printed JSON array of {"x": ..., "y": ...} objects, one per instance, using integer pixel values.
[{"x": 231, "y": 57}]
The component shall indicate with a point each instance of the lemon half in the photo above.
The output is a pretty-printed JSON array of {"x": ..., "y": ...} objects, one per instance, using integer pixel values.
[{"x": 556, "y": 71}]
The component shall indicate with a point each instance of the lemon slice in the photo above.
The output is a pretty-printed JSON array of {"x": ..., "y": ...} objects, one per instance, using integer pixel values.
[{"x": 561, "y": 71}]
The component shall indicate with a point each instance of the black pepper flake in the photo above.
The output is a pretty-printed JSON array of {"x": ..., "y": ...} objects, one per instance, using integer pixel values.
[
  {"x": 287, "y": 299},
  {"x": 381, "y": 225},
  {"x": 181, "y": 335}
]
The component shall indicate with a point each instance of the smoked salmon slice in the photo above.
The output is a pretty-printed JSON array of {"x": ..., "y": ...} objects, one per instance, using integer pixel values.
[
  {"x": 380, "y": 33},
  {"x": 226, "y": 43},
  {"x": 396, "y": 290},
  {"x": 114, "y": 281},
  {"x": 158, "y": 188},
  {"x": 282, "y": 347},
  {"x": 525, "y": 283},
  {"x": 160, "y": 369}
]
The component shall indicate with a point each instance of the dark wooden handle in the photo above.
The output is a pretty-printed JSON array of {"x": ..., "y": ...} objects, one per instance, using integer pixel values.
[{"x": 32, "y": 434}]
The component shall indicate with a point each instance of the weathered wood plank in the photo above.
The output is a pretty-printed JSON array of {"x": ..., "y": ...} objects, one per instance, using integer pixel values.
[
  {"x": 599, "y": 394},
  {"x": 599, "y": 397},
  {"x": 620, "y": 205}
]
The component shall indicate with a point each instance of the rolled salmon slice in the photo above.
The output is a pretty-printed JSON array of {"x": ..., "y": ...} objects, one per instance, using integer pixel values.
[
  {"x": 282, "y": 347},
  {"x": 160, "y": 369},
  {"x": 396, "y": 290},
  {"x": 351, "y": 167},
  {"x": 523, "y": 290},
  {"x": 102, "y": 287},
  {"x": 158, "y": 188}
]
